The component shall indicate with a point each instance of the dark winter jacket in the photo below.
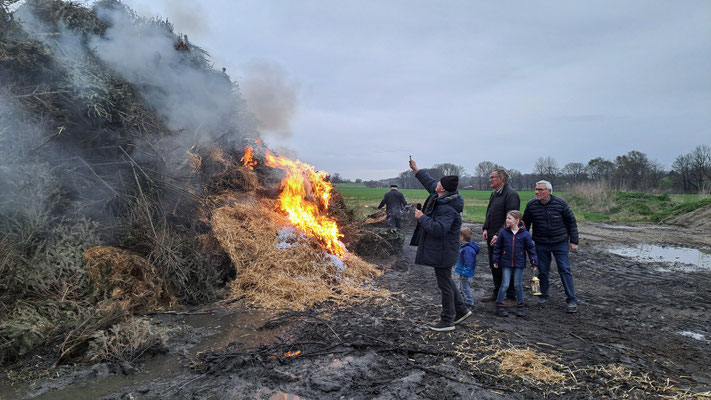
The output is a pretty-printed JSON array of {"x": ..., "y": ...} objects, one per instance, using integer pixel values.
[
  {"x": 394, "y": 203},
  {"x": 552, "y": 222},
  {"x": 499, "y": 205},
  {"x": 510, "y": 249},
  {"x": 437, "y": 232},
  {"x": 466, "y": 264}
]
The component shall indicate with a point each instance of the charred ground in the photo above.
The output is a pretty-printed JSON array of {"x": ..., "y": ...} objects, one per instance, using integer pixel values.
[{"x": 626, "y": 341}]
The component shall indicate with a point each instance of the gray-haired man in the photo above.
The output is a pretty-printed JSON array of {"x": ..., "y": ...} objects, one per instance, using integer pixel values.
[{"x": 555, "y": 232}]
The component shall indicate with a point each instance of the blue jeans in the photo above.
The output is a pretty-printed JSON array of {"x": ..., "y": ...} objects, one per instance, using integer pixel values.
[
  {"x": 506, "y": 273},
  {"x": 560, "y": 252},
  {"x": 465, "y": 290}
]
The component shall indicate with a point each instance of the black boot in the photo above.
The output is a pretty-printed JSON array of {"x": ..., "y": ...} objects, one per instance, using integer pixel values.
[
  {"x": 520, "y": 311},
  {"x": 500, "y": 311}
]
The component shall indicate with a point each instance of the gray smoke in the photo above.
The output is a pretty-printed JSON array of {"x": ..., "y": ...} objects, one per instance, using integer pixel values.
[
  {"x": 271, "y": 97},
  {"x": 85, "y": 144},
  {"x": 199, "y": 103}
]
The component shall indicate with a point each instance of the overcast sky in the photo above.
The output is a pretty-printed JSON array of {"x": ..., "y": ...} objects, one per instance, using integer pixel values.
[{"x": 360, "y": 85}]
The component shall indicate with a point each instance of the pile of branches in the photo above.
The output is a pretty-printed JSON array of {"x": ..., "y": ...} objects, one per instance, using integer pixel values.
[
  {"x": 112, "y": 201},
  {"x": 96, "y": 181}
]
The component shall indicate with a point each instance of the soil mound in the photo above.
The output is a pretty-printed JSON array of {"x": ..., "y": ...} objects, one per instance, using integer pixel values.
[{"x": 699, "y": 219}]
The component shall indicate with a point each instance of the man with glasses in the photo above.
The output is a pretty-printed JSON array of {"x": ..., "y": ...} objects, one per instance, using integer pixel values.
[
  {"x": 502, "y": 200},
  {"x": 555, "y": 232}
]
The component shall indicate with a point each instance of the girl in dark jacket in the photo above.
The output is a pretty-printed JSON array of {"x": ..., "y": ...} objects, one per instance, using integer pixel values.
[{"x": 510, "y": 250}]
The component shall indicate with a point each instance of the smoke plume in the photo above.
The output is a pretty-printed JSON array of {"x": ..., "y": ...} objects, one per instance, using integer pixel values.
[{"x": 271, "y": 97}]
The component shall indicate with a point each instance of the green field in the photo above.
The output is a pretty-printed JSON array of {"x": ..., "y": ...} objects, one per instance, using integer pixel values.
[
  {"x": 618, "y": 206},
  {"x": 364, "y": 199}
]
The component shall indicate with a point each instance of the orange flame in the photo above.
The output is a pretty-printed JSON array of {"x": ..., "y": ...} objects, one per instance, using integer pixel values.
[
  {"x": 302, "y": 184},
  {"x": 248, "y": 158},
  {"x": 284, "y": 355}
]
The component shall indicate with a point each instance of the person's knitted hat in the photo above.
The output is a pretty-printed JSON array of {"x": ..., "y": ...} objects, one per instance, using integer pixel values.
[{"x": 450, "y": 182}]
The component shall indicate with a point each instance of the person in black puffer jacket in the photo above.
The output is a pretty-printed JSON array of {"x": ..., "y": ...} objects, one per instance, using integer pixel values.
[
  {"x": 437, "y": 239},
  {"x": 502, "y": 200},
  {"x": 555, "y": 232}
]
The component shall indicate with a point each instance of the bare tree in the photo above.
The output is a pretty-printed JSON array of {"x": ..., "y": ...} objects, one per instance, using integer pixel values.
[
  {"x": 407, "y": 180},
  {"x": 600, "y": 169},
  {"x": 546, "y": 168},
  {"x": 515, "y": 180},
  {"x": 449, "y": 169},
  {"x": 694, "y": 169},
  {"x": 574, "y": 172},
  {"x": 482, "y": 171},
  {"x": 635, "y": 172},
  {"x": 701, "y": 166}
]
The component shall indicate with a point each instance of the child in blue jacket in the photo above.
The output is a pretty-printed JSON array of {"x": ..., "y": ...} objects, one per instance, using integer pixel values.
[
  {"x": 510, "y": 254},
  {"x": 466, "y": 265}
]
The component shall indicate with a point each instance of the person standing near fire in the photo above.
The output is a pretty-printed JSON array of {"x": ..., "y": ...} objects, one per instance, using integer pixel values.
[
  {"x": 437, "y": 239},
  {"x": 394, "y": 202},
  {"x": 502, "y": 200}
]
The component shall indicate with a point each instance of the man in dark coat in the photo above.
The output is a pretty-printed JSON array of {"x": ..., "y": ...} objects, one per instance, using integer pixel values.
[
  {"x": 555, "y": 232},
  {"x": 437, "y": 239},
  {"x": 502, "y": 200},
  {"x": 394, "y": 203}
]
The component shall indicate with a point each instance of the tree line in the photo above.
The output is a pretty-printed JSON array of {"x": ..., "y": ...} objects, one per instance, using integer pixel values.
[{"x": 634, "y": 171}]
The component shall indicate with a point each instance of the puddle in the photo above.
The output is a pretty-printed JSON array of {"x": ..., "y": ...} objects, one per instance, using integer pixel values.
[
  {"x": 238, "y": 325},
  {"x": 693, "y": 335},
  {"x": 677, "y": 258}
]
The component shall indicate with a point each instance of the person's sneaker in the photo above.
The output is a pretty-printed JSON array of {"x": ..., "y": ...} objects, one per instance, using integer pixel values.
[
  {"x": 459, "y": 318},
  {"x": 487, "y": 299},
  {"x": 572, "y": 308},
  {"x": 542, "y": 300},
  {"x": 500, "y": 312},
  {"x": 520, "y": 311},
  {"x": 509, "y": 303},
  {"x": 442, "y": 326}
]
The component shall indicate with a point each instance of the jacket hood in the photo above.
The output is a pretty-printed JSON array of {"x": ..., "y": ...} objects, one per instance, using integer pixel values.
[
  {"x": 470, "y": 244},
  {"x": 521, "y": 228},
  {"x": 453, "y": 199}
]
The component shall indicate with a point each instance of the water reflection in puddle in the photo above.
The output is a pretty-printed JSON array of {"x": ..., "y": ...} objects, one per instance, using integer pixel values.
[{"x": 678, "y": 258}]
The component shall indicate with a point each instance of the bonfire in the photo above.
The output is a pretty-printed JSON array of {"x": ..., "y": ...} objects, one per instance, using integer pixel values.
[{"x": 287, "y": 251}]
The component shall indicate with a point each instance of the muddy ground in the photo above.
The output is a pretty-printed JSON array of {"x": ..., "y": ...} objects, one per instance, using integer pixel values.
[{"x": 642, "y": 331}]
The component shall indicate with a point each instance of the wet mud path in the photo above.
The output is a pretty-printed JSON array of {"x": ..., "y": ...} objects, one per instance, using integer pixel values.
[{"x": 643, "y": 330}]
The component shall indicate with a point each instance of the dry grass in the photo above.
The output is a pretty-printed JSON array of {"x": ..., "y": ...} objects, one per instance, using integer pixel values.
[
  {"x": 126, "y": 277},
  {"x": 296, "y": 275},
  {"x": 598, "y": 196},
  {"x": 487, "y": 354},
  {"x": 530, "y": 365},
  {"x": 127, "y": 341}
]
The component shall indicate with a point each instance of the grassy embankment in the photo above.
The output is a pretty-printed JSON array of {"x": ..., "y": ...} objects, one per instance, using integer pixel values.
[{"x": 588, "y": 204}]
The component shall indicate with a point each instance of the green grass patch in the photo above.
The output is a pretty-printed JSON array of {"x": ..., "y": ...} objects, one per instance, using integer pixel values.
[
  {"x": 363, "y": 200},
  {"x": 611, "y": 206},
  {"x": 635, "y": 206}
]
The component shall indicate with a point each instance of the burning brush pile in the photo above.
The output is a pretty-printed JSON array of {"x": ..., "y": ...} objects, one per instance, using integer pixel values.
[
  {"x": 128, "y": 183},
  {"x": 287, "y": 251}
]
